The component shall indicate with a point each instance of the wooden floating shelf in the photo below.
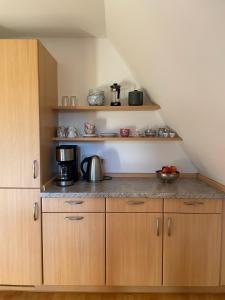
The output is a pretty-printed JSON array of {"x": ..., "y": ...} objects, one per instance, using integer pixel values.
[
  {"x": 77, "y": 108},
  {"x": 115, "y": 139}
]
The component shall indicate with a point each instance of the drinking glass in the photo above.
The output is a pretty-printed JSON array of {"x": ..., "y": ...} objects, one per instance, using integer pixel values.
[
  {"x": 65, "y": 101},
  {"x": 73, "y": 100}
]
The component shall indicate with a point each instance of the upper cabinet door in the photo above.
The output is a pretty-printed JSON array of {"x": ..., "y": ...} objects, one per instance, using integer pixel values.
[
  {"x": 20, "y": 237},
  {"x": 191, "y": 249},
  {"x": 19, "y": 114},
  {"x": 134, "y": 249}
]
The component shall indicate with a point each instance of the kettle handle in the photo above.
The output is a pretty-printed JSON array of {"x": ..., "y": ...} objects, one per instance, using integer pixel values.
[{"x": 86, "y": 160}]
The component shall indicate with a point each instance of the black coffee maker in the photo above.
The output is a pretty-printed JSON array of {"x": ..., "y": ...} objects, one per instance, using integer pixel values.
[{"x": 68, "y": 165}]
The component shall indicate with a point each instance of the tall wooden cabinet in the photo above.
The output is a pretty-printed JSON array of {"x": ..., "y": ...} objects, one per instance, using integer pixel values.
[{"x": 28, "y": 90}]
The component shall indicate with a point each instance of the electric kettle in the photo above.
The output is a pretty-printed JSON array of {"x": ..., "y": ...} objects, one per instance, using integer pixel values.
[{"x": 94, "y": 170}]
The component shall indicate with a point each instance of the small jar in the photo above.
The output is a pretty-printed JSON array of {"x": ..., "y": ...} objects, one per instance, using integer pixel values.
[{"x": 95, "y": 97}]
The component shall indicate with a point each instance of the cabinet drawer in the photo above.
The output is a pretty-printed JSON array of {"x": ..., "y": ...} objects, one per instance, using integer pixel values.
[
  {"x": 73, "y": 204},
  {"x": 134, "y": 205},
  {"x": 193, "y": 205}
]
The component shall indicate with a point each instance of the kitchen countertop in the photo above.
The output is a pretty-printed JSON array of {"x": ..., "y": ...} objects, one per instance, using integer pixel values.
[{"x": 135, "y": 187}]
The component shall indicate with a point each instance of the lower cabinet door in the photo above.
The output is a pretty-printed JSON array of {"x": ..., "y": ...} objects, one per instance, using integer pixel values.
[
  {"x": 74, "y": 248},
  {"x": 134, "y": 249},
  {"x": 20, "y": 237},
  {"x": 191, "y": 250}
]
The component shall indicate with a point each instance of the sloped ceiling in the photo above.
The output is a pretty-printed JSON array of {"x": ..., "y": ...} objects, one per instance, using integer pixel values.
[
  {"x": 52, "y": 18},
  {"x": 176, "y": 50}
]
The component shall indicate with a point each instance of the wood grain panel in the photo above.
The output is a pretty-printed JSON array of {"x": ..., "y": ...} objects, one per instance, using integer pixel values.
[
  {"x": 77, "y": 108},
  {"x": 48, "y": 97},
  {"x": 193, "y": 205},
  {"x": 134, "y": 205},
  {"x": 20, "y": 238},
  {"x": 119, "y": 139},
  {"x": 133, "y": 249},
  {"x": 191, "y": 249},
  {"x": 222, "y": 280},
  {"x": 117, "y": 296},
  {"x": 73, "y": 204},
  {"x": 19, "y": 113},
  {"x": 74, "y": 250}
]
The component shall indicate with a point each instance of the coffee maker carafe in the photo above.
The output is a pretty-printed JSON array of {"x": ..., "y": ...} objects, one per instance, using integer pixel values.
[{"x": 67, "y": 158}]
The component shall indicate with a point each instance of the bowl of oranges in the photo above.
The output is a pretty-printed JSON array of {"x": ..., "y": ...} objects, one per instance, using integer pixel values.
[{"x": 168, "y": 174}]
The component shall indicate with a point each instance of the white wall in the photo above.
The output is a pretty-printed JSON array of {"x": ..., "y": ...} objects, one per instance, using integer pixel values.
[
  {"x": 176, "y": 50},
  {"x": 85, "y": 63}
]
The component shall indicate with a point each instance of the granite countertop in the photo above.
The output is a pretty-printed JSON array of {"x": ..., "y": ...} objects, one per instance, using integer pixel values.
[{"x": 135, "y": 187}]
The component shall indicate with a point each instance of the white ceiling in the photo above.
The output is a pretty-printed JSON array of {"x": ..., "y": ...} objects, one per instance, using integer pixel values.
[{"x": 52, "y": 18}]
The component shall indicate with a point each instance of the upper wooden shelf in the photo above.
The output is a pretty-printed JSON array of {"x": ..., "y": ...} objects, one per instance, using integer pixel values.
[
  {"x": 119, "y": 138},
  {"x": 145, "y": 107}
]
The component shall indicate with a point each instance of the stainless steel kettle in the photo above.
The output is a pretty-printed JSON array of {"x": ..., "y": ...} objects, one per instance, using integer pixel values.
[{"x": 94, "y": 170}]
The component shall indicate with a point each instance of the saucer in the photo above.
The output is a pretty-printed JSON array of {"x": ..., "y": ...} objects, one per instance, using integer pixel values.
[
  {"x": 90, "y": 135},
  {"x": 108, "y": 134}
]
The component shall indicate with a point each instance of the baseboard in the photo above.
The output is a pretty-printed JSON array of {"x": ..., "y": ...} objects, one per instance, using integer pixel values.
[
  {"x": 212, "y": 182},
  {"x": 120, "y": 290}
]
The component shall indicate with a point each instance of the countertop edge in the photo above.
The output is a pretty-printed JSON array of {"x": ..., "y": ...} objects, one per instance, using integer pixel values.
[{"x": 130, "y": 195}]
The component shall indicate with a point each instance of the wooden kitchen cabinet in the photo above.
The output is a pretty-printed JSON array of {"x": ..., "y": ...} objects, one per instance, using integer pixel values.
[
  {"x": 222, "y": 282},
  {"x": 133, "y": 249},
  {"x": 28, "y": 89},
  {"x": 191, "y": 253},
  {"x": 74, "y": 248},
  {"x": 20, "y": 237}
]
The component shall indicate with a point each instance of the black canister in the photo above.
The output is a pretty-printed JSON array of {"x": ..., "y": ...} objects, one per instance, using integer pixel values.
[{"x": 135, "y": 98}]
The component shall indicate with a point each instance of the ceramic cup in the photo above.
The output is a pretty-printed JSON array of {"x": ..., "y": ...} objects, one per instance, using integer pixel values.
[
  {"x": 172, "y": 134},
  {"x": 61, "y": 132},
  {"x": 89, "y": 128},
  {"x": 124, "y": 132},
  {"x": 71, "y": 132}
]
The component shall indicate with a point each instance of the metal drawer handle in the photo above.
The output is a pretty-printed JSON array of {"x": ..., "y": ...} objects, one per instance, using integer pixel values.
[
  {"x": 35, "y": 211},
  {"x": 157, "y": 226},
  {"x": 135, "y": 202},
  {"x": 73, "y": 202},
  {"x": 189, "y": 203},
  {"x": 193, "y": 203},
  {"x": 169, "y": 221},
  {"x": 199, "y": 202},
  {"x": 35, "y": 173},
  {"x": 74, "y": 218}
]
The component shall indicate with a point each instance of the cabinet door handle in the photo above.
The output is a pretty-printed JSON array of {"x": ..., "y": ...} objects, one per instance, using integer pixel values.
[
  {"x": 169, "y": 221},
  {"x": 74, "y": 218},
  {"x": 35, "y": 211},
  {"x": 157, "y": 226},
  {"x": 35, "y": 173},
  {"x": 189, "y": 202},
  {"x": 135, "y": 202},
  {"x": 73, "y": 202}
]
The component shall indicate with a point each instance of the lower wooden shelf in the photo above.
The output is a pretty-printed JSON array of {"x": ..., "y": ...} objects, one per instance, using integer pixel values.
[{"x": 115, "y": 139}]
